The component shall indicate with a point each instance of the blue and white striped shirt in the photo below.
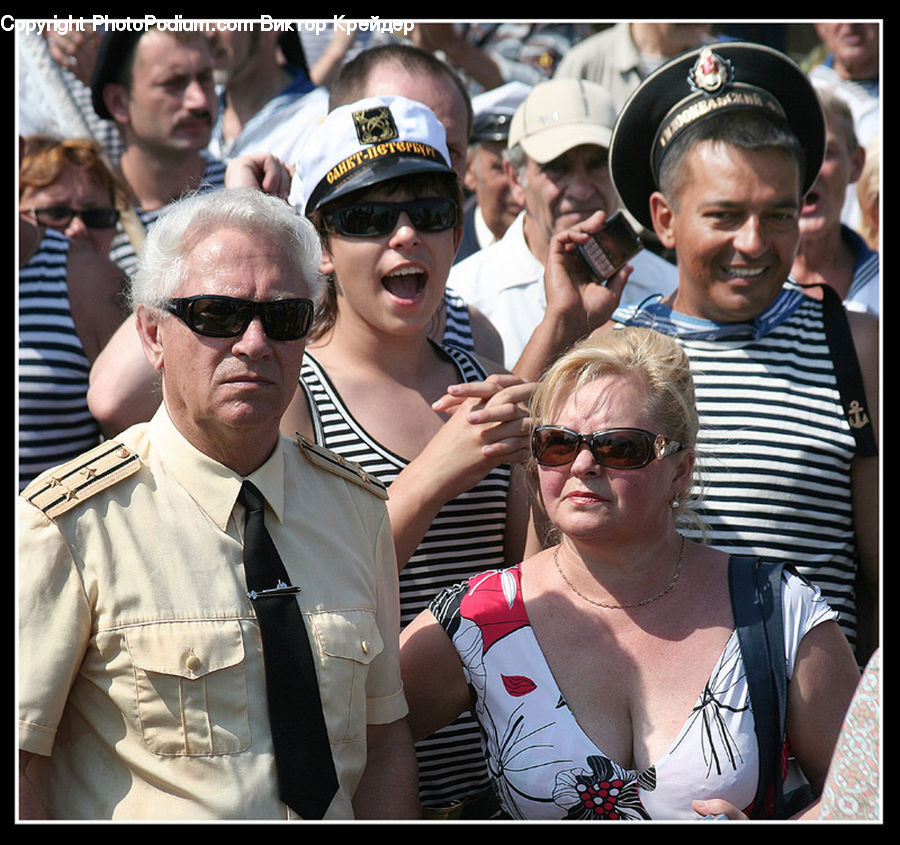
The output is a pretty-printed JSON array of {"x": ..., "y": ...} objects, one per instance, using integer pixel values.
[
  {"x": 53, "y": 417},
  {"x": 122, "y": 251},
  {"x": 774, "y": 450}
]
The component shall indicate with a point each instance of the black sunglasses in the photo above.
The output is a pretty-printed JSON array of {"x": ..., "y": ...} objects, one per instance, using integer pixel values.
[
  {"x": 373, "y": 219},
  {"x": 224, "y": 316},
  {"x": 615, "y": 448},
  {"x": 60, "y": 215}
]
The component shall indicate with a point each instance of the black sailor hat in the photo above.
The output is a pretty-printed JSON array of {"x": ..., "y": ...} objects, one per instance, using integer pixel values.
[
  {"x": 696, "y": 85},
  {"x": 115, "y": 49}
]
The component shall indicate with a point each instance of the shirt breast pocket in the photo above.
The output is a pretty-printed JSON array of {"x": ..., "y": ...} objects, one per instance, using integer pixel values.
[
  {"x": 348, "y": 641},
  {"x": 190, "y": 681}
]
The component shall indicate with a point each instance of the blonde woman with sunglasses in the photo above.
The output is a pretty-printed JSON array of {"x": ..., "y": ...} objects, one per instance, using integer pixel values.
[{"x": 605, "y": 670}]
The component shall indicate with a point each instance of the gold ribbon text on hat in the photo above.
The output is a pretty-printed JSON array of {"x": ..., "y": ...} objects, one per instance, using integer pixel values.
[
  {"x": 379, "y": 151},
  {"x": 747, "y": 98}
]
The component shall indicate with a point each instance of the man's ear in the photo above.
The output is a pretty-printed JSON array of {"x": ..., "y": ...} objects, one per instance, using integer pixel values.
[
  {"x": 116, "y": 99},
  {"x": 663, "y": 215},
  {"x": 516, "y": 189},
  {"x": 469, "y": 181},
  {"x": 147, "y": 323}
]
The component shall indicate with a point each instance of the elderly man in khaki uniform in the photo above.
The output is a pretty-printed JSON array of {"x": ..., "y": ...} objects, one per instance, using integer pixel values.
[{"x": 149, "y": 663}]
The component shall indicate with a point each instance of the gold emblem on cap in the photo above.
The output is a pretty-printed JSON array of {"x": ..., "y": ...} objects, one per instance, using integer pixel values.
[
  {"x": 710, "y": 72},
  {"x": 375, "y": 125}
]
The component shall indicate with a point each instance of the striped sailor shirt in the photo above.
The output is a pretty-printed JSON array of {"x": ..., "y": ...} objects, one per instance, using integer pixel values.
[
  {"x": 775, "y": 449},
  {"x": 54, "y": 421},
  {"x": 465, "y": 537},
  {"x": 123, "y": 252}
]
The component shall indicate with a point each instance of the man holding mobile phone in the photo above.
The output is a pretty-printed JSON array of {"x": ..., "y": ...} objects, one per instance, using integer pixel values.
[{"x": 557, "y": 161}]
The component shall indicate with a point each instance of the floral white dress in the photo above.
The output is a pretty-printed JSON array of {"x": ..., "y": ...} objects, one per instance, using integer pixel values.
[{"x": 542, "y": 764}]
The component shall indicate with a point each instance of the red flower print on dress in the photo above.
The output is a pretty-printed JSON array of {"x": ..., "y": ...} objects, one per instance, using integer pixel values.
[
  {"x": 495, "y": 597},
  {"x": 517, "y": 685},
  {"x": 606, "y": 792}
]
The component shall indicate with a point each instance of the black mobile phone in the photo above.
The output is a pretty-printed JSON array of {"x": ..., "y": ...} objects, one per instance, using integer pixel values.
[{"x": 607, "y": 251}]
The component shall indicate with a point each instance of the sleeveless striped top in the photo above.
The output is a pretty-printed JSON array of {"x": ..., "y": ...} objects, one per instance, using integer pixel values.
[
  {"x": 465, "y": 537},
  {"x": 774, "y": 448},
  {"x": 122, "y": 250},
  {"x": 457, "y": 327},
  {"x": 54, "y": 421}
]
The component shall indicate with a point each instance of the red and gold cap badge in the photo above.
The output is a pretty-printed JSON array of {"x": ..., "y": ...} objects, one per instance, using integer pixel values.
[{"x": 710, "y": 72}]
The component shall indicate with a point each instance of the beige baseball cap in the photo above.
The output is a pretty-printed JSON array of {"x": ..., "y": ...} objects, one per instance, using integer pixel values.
[{"x": 561, "y": 114}]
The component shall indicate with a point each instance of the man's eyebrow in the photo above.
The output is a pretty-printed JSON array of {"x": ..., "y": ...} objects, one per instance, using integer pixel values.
[{"x": 723, "y": 202}]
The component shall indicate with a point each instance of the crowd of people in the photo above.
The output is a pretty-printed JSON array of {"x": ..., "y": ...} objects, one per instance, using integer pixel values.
[{"x": 348, "y": 490}]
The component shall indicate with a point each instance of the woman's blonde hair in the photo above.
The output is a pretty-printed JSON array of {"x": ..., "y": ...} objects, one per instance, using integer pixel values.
[
  {"x": 868, "y": 192},
  {"x": 637, "y": 353}
]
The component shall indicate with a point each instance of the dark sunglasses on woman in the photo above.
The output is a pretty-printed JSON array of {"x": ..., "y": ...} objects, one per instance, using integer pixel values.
[
  {"x": 615, "y": 448},
  {"x": 375, "y": 219},
  {"x": 60, "y": 216}
]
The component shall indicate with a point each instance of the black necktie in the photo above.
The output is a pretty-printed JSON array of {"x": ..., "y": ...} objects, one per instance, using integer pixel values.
[{"x": 306, "y": 776}]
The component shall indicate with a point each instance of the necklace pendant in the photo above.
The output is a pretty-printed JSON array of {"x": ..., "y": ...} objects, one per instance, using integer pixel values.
[{"x": 610, "y": 605}]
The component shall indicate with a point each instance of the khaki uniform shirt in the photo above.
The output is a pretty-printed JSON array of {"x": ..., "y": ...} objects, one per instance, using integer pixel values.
[
  {"x": 609, "y": 58},
  {"x": 140, "y": 662}
]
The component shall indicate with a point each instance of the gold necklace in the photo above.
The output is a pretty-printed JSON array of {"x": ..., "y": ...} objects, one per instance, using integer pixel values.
[{"x": 610, "y": 606}]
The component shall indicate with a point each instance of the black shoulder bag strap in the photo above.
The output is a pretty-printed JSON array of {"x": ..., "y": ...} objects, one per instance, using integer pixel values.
[
  {"x": 756, "y": 604},
  {"x": 847, "y": 371}
]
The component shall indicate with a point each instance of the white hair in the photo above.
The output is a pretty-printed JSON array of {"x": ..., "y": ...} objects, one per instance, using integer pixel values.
[{"x": 163, "y": 263}]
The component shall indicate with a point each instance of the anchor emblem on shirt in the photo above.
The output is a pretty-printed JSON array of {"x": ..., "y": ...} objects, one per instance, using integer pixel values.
[{"x": 857, "y": 416}]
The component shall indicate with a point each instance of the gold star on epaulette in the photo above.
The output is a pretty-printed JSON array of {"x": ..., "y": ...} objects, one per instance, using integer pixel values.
[{"x": 85, "y": 476}]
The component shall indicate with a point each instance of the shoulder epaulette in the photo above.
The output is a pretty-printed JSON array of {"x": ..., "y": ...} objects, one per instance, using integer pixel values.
[
  {"x": 339, "y": 465},
  {"x": 72, "y": 483}
]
